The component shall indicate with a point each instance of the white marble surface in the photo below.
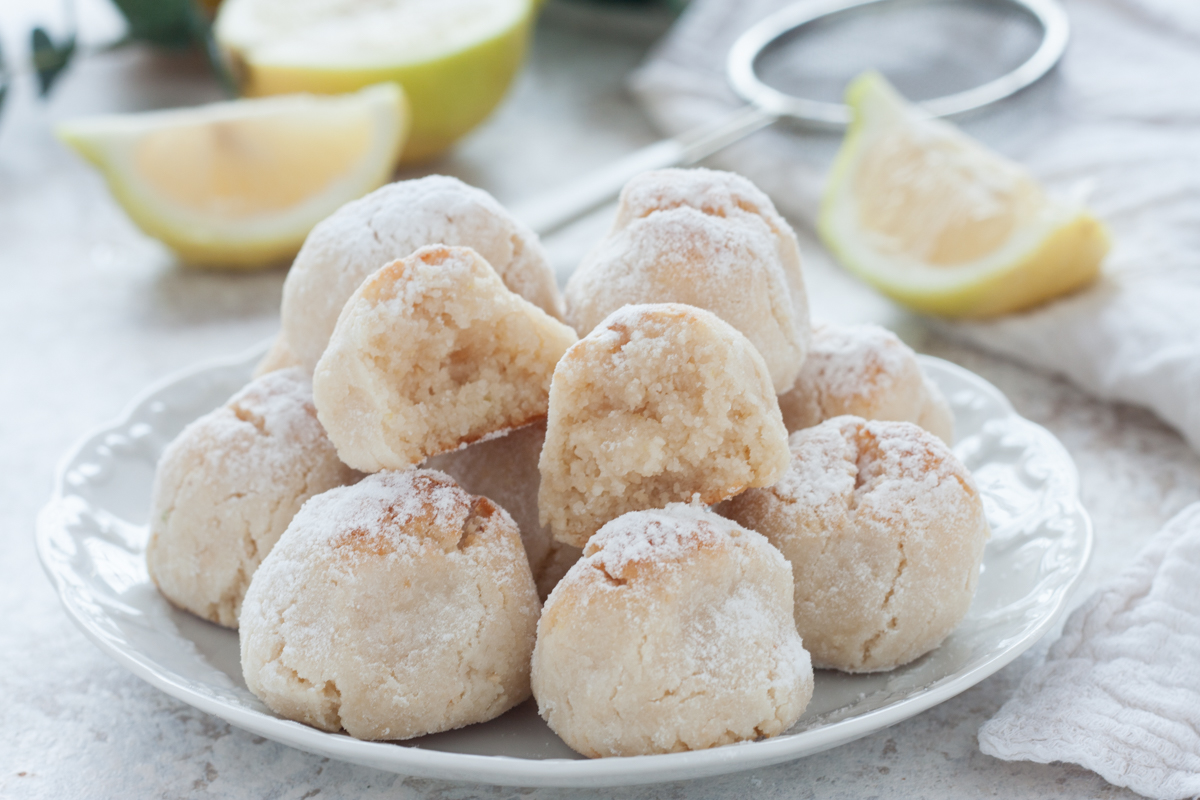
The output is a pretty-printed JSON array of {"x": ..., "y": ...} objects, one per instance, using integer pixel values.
[{"x": 91, "y": 312}]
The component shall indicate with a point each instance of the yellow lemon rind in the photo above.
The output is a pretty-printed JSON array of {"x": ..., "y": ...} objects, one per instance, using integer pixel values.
[
  {"x": 1064, "y": 261},
  {"x": 480, "y": 75}
]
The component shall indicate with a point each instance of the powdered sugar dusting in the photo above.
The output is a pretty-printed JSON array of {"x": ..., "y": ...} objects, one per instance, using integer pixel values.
[
  {"x": 823, "y": 469},
  {"x": 893, "y": 456},
  {"x": 663, "y": 536},
  {"x": 896, "y": 463},
  {"x": 855, "y": 360},
  {"x": 226, "y": 488},
  {"x": 718, "y": 640},
  {"x": 649, "y": 325},
  {"x": 435, "y": 271},
  {"x": 398, "y": 607},
  {"x": 696, "y": 651},
  {"x": 383, "y": 506},
  {"x": 713, "y": 192},
  {"x": 730, "y": 267},
  {"x": 725, "y": 195},
  {"x": 698, "y": 246},
  {"x": 273, "y": 416}
]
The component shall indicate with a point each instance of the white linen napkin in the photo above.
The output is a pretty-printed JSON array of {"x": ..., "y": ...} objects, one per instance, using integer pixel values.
[
  {"x": 1119, "y": 693},
  {"x": 1119, "y": 120}
]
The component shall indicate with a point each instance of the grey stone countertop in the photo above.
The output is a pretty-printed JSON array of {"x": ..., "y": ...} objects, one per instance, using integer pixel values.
[{"x": 92, "y": 311}]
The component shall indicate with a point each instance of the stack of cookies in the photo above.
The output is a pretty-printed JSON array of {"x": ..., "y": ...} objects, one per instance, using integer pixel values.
[{"x": 436, "y": 498}]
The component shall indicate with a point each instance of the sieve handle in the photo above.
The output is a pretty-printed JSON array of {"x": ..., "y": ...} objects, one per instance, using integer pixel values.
[{"x": 550, "y": 211}]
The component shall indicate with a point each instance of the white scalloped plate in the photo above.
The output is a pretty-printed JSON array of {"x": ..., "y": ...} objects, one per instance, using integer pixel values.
[{"x": 92, "y": 534}]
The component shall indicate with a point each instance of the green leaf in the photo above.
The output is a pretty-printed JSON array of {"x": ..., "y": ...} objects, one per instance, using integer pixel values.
[
  {"x": 177, "y": 24},
  {"x": 162, "y": 22},
  {"x": 50, "y": 59},
  {"x": 4, "y": 78},
  {"x": 201, "y": 28}
]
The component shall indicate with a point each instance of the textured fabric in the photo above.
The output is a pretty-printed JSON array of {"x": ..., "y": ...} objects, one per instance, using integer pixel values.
[
  {"x": 1120, "y": 691},
  {"x": 1118, "y": 122}
]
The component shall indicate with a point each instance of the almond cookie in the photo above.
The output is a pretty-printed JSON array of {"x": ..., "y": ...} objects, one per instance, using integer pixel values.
[
  {"x": 390, "y": 223},
  {"x": 432, "y": 353},
  {"x": 729, "y": 266},
  {"x": 227, "y": 487},
  {"x": 673, "y": 632},
  {"x": 718, "y": 194},
  {"x": 505, "y": 470},
  {"x": 864, "y": 371},
  {"x": 885, "y": 532},
  {"x": 658, "y": 404},
  {"x": 393, "y": 608}
]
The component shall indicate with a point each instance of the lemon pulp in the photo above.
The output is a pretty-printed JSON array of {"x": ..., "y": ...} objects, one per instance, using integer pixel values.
[
  {"x": 240, "y": 184},
  {"x": 245, "y": 168}
]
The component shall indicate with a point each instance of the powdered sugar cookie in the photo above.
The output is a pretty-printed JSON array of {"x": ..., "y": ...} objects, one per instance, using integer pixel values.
[
  {"x": 227, "y": 487},
  {"x": 390, "y": 223},
  {"x": 431, "y": 353},
  {"x": 730, "y": 267},
  {"x": 393, "y": 608},
  {"x": 885, "y": 532},
  {"x": 717, "y": 194},
  {"x": 674, "y": 632},
  {"x": 505, "y": 470},
  {"x": 865, "y": 371},
  {"x": 658, "y": 404}
]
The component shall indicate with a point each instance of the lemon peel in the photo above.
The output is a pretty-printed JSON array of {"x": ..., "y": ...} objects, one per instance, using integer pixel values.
[{"x": 455, "y": 59}]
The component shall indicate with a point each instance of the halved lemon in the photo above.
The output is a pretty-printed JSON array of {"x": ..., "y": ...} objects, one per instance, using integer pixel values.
[
  {"x": 938, "y": 222},
  {"x": 240, "y": 184},
  {"x": 454, "y": 58}
]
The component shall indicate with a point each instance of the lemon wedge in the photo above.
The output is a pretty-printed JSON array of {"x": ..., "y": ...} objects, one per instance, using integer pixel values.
[
  {"x": 239, "y": 184},
  {"x": 943, "y": 225},
  {"x": 454, "y": 58}
]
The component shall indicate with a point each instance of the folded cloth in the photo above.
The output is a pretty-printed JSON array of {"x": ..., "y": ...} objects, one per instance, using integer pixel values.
[
  {"x": 1120, "y": 691},
  {"x": 1118, "y": 120}
]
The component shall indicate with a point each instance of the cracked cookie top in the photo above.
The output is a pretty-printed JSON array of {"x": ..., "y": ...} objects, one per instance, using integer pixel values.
[
  {"x": 885, "y": 530},
  {"x": 393, "y": 608}
]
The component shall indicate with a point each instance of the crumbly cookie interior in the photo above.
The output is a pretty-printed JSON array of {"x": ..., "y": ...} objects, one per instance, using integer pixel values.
[
  {"x": 433, "y": 353},
  {"x": 657, "y": 405}
]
